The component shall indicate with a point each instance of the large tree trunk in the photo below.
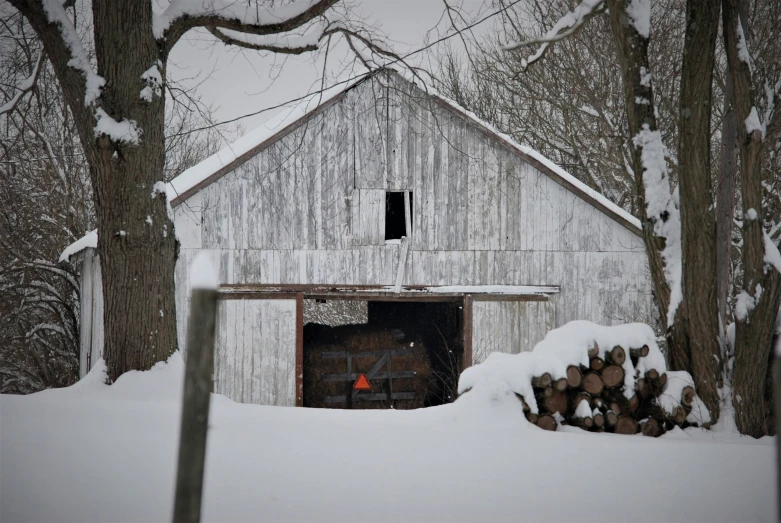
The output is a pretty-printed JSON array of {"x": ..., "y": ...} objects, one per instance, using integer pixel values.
[
  {"x": 761, "y": 284},
  {"x": 137, "y": 257},
  {"x": 638, "y": 94},
  {"x": 698, "y": 228}
]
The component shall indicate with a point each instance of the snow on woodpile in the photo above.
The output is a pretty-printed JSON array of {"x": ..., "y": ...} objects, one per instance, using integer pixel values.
[{"x": 605, "y": 379}]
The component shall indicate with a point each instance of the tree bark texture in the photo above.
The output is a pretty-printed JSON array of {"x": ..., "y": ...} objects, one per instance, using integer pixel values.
[
  {"x": 698, "y": 227},
  {"x": 754, "y": 331},
  {"x": 632, "y": 51},
  {"x": 137, "y": 258}
]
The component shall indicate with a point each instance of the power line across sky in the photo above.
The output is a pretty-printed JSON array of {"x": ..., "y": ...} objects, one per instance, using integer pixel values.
[{"x": 235, "y": 80}]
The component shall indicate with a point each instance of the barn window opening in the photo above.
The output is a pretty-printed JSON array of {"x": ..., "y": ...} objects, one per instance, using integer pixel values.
[{"x": 395, "y": 217}]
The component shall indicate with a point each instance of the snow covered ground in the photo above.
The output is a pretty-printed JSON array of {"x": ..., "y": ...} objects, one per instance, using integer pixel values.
[{"x": 99, "y": 453}]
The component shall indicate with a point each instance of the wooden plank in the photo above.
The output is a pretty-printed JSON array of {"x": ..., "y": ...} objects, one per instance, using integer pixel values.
[
  {"x": 380, "y": 375},
  {"x": 370, "y": 127},
  {"x": 330, "y": 355},
  {"x": 98, "y": 326},
  {"x": 86, "y": 311},
  {"x": 368, "y": 216},
  {"x": 468, "y": 332},
  {"x": 299, "y": 349},
  {"x": 401, "y": 267}
]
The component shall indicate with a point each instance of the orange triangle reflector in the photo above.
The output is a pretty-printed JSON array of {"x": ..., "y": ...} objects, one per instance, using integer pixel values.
[{"x": 362, "y": 383}]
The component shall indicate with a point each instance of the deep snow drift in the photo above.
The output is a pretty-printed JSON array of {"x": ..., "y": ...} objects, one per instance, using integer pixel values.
[{"x": 98, "y": 453}]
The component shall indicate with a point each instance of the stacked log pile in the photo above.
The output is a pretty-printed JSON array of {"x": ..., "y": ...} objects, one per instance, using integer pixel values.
[{"x": 594, "y": 397}]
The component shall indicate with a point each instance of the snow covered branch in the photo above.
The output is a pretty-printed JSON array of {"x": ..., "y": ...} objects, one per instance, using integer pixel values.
[
  {"x": 241, "y": 17},
  {"x": 294, "y": 44},
  {"x": 24, "y": 87},
  {"x": 79, "y": 60},
  {"x": 566, "y": 26}
]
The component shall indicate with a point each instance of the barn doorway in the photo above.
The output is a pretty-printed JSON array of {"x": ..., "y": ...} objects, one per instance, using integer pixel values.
[{"x": 410, "y": 352}]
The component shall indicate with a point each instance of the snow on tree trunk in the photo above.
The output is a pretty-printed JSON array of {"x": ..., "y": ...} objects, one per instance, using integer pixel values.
[
  {"x": 759, "y": 300},
  {"x": 137, "y": 255}
]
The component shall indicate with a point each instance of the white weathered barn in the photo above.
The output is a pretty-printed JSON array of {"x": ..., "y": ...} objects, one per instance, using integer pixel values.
[{"x": 310, "y": 210}]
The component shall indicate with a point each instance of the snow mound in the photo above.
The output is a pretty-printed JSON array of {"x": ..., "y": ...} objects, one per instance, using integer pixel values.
[
  {"x": 164, "y": 381},
  {"x": 499, "y": 375}
]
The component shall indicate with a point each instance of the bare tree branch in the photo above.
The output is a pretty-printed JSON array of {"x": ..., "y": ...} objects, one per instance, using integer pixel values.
[
  {"x": 567, "y": 25},
  {"x": 24, "y": 87}
]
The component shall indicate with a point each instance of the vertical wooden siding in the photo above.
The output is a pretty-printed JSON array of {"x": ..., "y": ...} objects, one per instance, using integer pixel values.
[
  {"x": 509, "y": 326},
  {"x": 255, "y": 353}
]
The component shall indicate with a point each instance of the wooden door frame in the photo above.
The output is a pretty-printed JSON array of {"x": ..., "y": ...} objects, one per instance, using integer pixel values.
[
  {"x": 466, "y": 332},
  {"x": 301, "y": 292}
]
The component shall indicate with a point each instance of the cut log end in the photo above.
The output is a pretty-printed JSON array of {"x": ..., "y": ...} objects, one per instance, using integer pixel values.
[
  {"x": 596, "y": 364},
  {"x": 593, "y": 351},
  {"x": 593, "y": 384},
  {"x": 617, "y": 355},
  {"x": 546, "y": 422},
  {"x": 626, "y": 425},
  {"x": 542, "y": 381},
  {"x": 574, "y": 377},
  {"x": 652, "y": 374},
  {"x": 687, "y": 396},
  {"x": 556, "y": 403},
  {"x": 642, "y": 352},
  {"x": 611, "y": 418},
  {"x": 561, "y": 384},
  {"x": 651, "y": 428},
  {"x": 613, "y": 376}
]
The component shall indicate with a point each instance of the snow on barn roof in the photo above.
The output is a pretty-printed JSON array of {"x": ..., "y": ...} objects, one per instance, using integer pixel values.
[{"x": 209, "y": 170}]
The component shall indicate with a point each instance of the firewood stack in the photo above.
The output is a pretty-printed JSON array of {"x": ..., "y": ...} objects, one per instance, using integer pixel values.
[{"x": 592, "y": 397}]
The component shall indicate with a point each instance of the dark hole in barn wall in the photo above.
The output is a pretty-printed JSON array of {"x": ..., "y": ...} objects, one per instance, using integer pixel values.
[
  {"x": 422, "y": 342},
  {"x": 395, "y": 217}
]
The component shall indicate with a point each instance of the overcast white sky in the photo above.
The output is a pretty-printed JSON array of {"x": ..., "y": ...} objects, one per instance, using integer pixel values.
[{"x": 237, "y": 81}]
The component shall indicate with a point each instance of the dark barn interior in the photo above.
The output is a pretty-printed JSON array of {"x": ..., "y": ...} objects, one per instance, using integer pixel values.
[{"x": 410, "y": 352}]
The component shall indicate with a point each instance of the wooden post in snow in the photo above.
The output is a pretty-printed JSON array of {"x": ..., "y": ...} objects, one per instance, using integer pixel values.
[
  {"x": 197, "y": 387},
  {"x": 405, "y": 241}
]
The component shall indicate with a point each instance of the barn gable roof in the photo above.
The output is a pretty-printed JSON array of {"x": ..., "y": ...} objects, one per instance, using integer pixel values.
[{"x": 194, "y": 179}]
